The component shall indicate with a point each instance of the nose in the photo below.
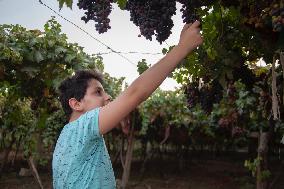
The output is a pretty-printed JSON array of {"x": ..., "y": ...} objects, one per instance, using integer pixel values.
[{"x": 108, "y": 98}]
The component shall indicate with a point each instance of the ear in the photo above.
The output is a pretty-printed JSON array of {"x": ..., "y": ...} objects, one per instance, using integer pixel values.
[{"x": 75, "y": 104}]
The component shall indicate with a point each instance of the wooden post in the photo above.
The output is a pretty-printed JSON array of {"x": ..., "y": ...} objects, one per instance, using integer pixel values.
[
  {"x": 128, "y": 158},
  {"x": 262, "y": 183},
  {"x": 34, "y": 171}
]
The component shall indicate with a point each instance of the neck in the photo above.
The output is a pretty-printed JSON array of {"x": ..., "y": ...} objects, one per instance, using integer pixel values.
[{"x": 74, "y": 116}]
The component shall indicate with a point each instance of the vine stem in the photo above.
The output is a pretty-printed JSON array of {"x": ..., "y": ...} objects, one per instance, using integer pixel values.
[{"x": 282, "y": 64}]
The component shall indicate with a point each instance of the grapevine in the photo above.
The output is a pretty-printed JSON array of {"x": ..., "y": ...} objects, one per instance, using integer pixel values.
[{"x": 154, "y": 17}]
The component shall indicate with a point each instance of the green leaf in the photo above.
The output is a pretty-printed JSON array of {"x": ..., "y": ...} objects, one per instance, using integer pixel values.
[
  {"x": 51, "y": 43},
  {"x": 32, "y": 71},
  {"x": 42, "y": 120},
  {"x": 67, "y": 2},
  {"x": 33, "y": 41},
  {"x": 38, "y": 56},
  {"x": 164, "y": 51},
  {"x": 59, "y": 50},
  {"x": 70, "y": 57},
  {"x": 142, "y": 66},
  {"x": 121, "y": 4}
]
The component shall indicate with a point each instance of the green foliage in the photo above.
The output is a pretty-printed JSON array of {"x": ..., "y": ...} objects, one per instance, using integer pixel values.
[
  {"x": 266, "y": 174},
  {"x": 227, "y": 125},
  {"x": 67, "y": 2},
  {"x": 201, "y": 131},
  {"x": 252, "y": 165},
  {"x": 32, "y": 64},
  {"x": 142, "y": 66},
  {"x": 245, "y": 101},
  {"x": 54, "y": 124},
  {"x": 17, "y": 121},
  {"x": 40, "y": 59},
  {"x": 113, "y": 86},
  {"x": 168, "y": 105},
  {"x": 121, "y": 3},
  {"x": 228, "y": 44}
]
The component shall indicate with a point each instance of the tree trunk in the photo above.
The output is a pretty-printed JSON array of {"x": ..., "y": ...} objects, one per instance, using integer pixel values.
[
  {"x": 262, "y": 183},
  {"x": 17, "y": 149},
  {"x": 6, "y": 154},
  {"x": 5, "y": 159},
  {"x": 128, "y": 158},
  {"x": 253, "y": 145}
]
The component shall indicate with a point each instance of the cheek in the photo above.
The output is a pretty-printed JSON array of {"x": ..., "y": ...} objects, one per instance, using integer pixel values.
[{"x": 95, "y": 101}]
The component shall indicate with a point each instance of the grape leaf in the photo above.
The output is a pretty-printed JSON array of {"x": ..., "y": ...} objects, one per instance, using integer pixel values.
[
  {"x": 67, "y": 2},
  {"x": 121, "y": 4},
  {"x": 38, "y": 56}
]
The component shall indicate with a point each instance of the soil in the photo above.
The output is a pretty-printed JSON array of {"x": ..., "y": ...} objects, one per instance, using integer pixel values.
[
  {"x": 167, "y": 172},
  {"x": 202, "y": 174}
]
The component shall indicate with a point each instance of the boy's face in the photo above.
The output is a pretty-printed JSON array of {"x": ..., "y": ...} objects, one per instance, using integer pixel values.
[{"x": 95, "y": 96}]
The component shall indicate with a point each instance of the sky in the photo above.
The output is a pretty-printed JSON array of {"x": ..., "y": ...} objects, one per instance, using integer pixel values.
[{"x": 122, "y": 37}]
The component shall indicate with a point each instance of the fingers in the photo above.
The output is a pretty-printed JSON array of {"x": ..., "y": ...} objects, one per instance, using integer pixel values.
[
  {"x": 185, "y": 27},
  {"x": 195, "y": 24}
]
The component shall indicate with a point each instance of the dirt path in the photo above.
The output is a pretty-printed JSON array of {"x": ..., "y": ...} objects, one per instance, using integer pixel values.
[{"x": 162, "y": 175}]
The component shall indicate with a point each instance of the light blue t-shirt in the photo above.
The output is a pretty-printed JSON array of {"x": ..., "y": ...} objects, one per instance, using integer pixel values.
[{"x": 80, "y": 159}]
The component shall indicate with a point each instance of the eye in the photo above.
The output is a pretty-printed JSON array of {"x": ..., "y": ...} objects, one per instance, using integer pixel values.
[{"x": 98, "y": 91}]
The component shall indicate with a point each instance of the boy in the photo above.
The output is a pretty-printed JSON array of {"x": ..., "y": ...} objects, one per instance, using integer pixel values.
[{"x": 80, "y": 159}]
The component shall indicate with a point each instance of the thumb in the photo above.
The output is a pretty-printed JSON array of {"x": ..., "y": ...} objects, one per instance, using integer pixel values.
[{"x": 195, "y": 24}]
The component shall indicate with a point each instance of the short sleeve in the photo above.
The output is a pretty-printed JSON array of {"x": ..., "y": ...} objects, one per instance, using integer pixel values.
[{"x": 91, "y": 122}]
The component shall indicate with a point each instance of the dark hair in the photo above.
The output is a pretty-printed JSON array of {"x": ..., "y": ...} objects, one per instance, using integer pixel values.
[{"x": 76, "y": 87}]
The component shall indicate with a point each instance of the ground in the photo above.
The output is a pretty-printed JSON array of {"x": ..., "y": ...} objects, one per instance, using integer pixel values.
[
  {"x": 197, "y": 173},
  {"x": 202, "y": 174}
]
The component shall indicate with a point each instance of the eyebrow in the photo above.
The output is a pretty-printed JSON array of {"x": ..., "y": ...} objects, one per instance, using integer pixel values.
[{"x": 98, "y": 87}]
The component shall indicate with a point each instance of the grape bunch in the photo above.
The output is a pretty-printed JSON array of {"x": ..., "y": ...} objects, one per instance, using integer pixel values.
[
  {"x": 192, "y": 94},
  {"x": 153, "y": 17},
  {"x": 277, "y": 14},
  {"x": 210, "y": 94},
  {"x": 237, "y": 131},
  {"x": 206, "y": 96},
  {"x": 97, "y": 10},
  {"x": 189, "y": 9},
  {"x": 270, "y": 16}
]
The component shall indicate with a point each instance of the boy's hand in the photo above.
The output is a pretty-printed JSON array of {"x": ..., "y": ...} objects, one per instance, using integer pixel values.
[{"x": 190, "y": 37}]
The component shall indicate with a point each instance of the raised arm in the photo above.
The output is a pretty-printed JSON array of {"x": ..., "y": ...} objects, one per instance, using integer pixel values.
[{"x": 150, "y": 80}]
